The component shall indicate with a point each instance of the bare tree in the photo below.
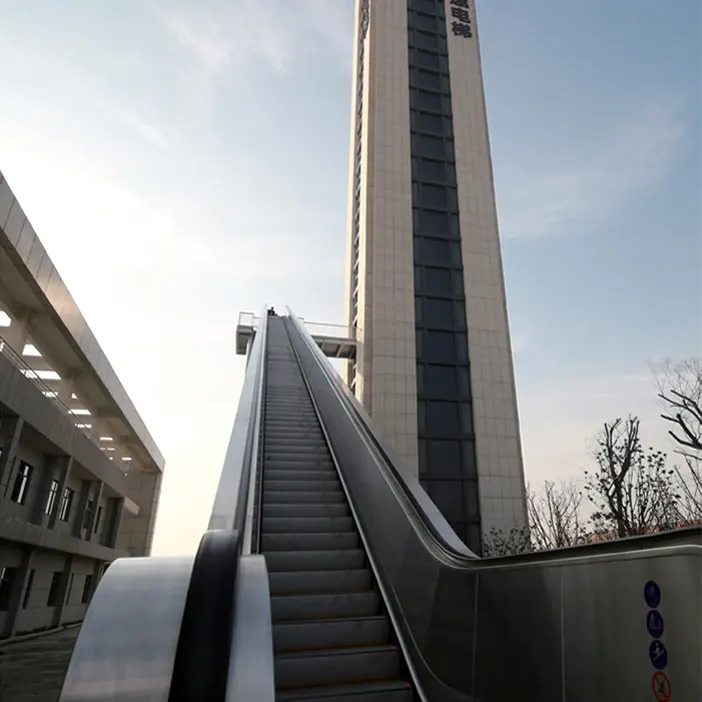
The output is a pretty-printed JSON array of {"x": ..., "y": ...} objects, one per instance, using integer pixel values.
[
  {"x": 631, "y": 490},
  {"x": 555, "y": 521},
  {"x": 499, "y": 542},
  {"x": 555, "y": 517},
  {"x": 680, "y": 392}
]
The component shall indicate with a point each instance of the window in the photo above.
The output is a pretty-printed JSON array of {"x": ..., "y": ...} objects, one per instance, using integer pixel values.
[
  {"x": 471, "y": 498},
  {"x": 439, "y": 347},
  {"x": 53, "y": 492},
  {"x": 87, "y": 514},
  {"x": 442, "y": 419},
  {"x": 464, "y": 382},
  {"x": 97, "y": 520},
  {"x": 427, "y": 79},
  {"x": 444, "y": 458},
  {"x": 53, "y": 590},
  {"x": 434, "y": 196},
  {"x": 7, "y": 580},
  {"x": 427, "y": 122},
  {"x": 440, "y": 381},
  {"x": 423, "y": 100},
  {"x": 424, "y": 22},
  {"x": 435, "y": 251},
  {"x": 21, "y": 486},
  {"x": 447, "y": 496},
  {"x": 429, "y": 146},
  {"x": 467, "y": 418},
  {"x": 437, "y": 281},
  {"x": 425, "y": 170},
  {"x": 426, "y": 40},
  {"x": 86, "y": 589},
  {"x": 438, "y": 312},
  {"x": 427, "y": 59},
  {"x": 28, "y": 590},
  {"x": 66, "y": 504}
]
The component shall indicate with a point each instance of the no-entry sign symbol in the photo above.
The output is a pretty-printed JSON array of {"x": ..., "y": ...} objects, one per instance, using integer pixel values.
[{"x": 661, "y": 686}]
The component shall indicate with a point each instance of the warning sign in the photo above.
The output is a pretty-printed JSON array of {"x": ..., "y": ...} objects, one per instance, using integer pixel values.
[{"x": 661, "y": 686}]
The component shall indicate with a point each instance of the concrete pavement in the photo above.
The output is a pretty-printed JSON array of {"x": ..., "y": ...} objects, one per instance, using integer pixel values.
[{"x": 33, "y": 671}]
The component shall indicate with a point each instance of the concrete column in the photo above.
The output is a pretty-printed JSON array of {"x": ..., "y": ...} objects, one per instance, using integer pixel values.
[
  {"x": 10, "y": 433},
  {"x": 62, "y": 589},
  {"x": 17, "y": 591},
  {"x": 37, "y": 512},
  {"x": 97, "y": 495},
  {"x": 83, "y": 497},
  {"x": 67, "y": 462},
  {"x": 17, "y": 335},
  {"x": 117, "y": 522}
]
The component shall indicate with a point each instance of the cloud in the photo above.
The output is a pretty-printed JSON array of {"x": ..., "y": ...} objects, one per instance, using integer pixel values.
[{"x": 638, "y": 153}]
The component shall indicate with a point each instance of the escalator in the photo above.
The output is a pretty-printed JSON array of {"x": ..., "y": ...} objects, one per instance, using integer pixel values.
[
  {"x": 327, "y": 573},
  {"x": 331, "y": 633}
]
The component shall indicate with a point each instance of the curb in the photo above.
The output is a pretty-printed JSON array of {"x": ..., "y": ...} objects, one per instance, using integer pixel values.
[{"x": 7, "y": 643}]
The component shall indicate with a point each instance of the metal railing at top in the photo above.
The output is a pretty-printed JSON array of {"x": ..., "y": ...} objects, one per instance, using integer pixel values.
[
  {"x": 316, "y": 329},
  {"x": 26, "y": 370}
]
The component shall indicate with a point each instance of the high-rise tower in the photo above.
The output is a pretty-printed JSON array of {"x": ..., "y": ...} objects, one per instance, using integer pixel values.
[{"x": 425, "y": 286}]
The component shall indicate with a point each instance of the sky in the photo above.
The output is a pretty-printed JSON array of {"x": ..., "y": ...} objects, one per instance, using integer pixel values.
[{"x": 186, "y": 160}]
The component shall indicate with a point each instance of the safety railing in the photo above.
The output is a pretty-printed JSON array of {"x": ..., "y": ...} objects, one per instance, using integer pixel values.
[
  {"x": 316, "y": 329},
  {"x": 52, "y": 395}
]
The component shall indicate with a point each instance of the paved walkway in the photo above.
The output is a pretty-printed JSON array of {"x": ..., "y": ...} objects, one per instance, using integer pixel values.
[{"x": 33, "y": 671}]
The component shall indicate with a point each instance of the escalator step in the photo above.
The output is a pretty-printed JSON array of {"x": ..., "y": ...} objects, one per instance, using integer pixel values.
[
  {"x": 271, "y": 497},
  {"x": 304, "y": 510},
  {"x": 383, "y": 691},
  {"x": 303, "y": 525},
  {"x": 309, "y": 542},
  {"x": 290, "y": 561},
  {"x": 287, "y": 608},
  {"x": 318, "y": 581},
  {"x": 336, "y": 666},
  {"x": 333, "y": 633}
]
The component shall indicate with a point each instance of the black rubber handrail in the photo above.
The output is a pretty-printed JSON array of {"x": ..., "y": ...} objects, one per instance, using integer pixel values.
[{"x": 201, "y": 665}]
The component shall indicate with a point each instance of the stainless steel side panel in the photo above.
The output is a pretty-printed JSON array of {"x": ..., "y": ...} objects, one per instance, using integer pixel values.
[
  {"x": 127, "y": 643},
  {"x": 567, "y": 625},
  {"x": 251, "y": 673}
]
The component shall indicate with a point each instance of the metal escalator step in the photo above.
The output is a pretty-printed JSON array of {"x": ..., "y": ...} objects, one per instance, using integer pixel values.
[
  {"x": 289, "y": 449},
  {"x": 282, "y": 470},
  {"x": 286, "y": 608},
  {"x": 302, "y": 498},
  {"x": 276, "y": 439},
  {"x": 302, "y": 483},
  {"x": 330, "y": 633},
  {"x": 336, "y": 666},
  {"x": 290, "y": 561},
  {"x": 302, "y": 525},
  {"x": 381, "y": 691},
  {"x": 318, "y": 581},
  {"x": 339, "y": 509},
  {"x": 309, "y": 542}
]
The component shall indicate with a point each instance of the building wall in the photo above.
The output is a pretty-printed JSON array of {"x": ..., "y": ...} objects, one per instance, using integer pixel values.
[
  {"x": 498, "y": 442},
  {"x": 391, "y": 246}
]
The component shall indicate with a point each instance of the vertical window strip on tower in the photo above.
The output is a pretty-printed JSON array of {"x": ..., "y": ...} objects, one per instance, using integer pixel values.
[{"x": 447, "y": 463}]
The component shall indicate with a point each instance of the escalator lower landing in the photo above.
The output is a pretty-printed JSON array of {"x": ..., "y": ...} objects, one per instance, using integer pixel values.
[{"x": 331, "y": 635}]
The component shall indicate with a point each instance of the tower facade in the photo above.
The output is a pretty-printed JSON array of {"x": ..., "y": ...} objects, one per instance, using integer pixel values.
[{"x": 425, "y": 287}]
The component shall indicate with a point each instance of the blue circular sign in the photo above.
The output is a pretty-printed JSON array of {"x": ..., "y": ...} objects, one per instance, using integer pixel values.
[
  {"x": 658, "y": 654},
  {"x": 652, "y": 594},
  {"x": 654, "y": 623}
]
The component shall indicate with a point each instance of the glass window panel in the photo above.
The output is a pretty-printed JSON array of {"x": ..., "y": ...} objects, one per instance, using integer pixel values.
[
  {"x": 437, "y": 281},
  {"x": 435, "y": 196},
  {"x": 427, "y": 59},
  {"x": 442, "y": 419},
  {"x": 435, "y": 223},
  {"x": 425, "y": 40},
  {"x": 421, "y": 416},
  {"x": 470, "y": 496},
  {"x": 422, "y": 100},
  {"x": 469, "y": 469},
  {"x": 427, "y": 80},
  {"x": 440, "y": 381},
  {"x": 431, "y": 147},
  {"x": 427, "y": 122},
  {"x": 444, "y": 457},
  {"x": 447, "y": 496},
  {"x": 439, "y": 347},
  {"x": 418, "y": 310},
  {"x": 462, "y": 348},
  {"x": 474, "y": 539},
  {"x": 459, "y": 313},
  {"x": 467, "y": 417},
  {"x": 429, "y": 170},
  {"x": 439, "y": 312},
  {"x": 464, "y": 382},
  {"x": 436, "y": 252}
]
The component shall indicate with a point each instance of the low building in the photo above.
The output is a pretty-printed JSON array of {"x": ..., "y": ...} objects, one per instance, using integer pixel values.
[{"x": 80, "y": 475}]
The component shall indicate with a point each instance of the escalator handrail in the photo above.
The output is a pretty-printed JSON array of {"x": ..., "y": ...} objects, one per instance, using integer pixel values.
[
  {"x": 229, "y": 510},
  {"x": 446, "y": 541}
]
